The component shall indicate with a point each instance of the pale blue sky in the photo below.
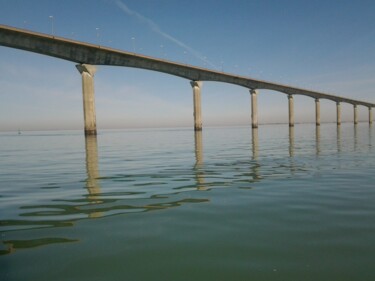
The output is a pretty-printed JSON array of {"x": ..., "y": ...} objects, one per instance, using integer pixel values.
[{"x": 325, "y": 45}]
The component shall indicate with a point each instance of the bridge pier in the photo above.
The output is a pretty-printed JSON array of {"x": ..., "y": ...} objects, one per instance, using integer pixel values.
[
  {"x": 370, "y": 115},
  {"x": 338, "y": 113},
  {"x": 254, "y": 108},
  {"x": 317, "y": 112},
  {"x": 197, "y": 104},
  {"x": 291, "y": 110},
  {"x": 87, "y": 71},
  {"x": 355, "y": 111}
]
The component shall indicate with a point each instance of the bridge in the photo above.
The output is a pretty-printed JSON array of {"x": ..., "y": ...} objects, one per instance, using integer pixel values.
[{"x": 88, "y": 55}]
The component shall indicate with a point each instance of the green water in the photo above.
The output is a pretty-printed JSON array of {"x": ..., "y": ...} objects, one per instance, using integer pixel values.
[{"x": 165, "y": 204}]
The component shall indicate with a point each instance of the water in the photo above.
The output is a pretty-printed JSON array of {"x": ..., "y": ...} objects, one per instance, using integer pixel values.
[{"x": 165, "y": 204}]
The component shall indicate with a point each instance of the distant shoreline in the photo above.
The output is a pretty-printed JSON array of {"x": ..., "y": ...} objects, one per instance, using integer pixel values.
[{"x": 20, "y": 131}]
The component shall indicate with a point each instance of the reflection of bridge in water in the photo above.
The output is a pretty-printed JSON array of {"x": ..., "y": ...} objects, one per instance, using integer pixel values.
[
  {"x": 98, "y": 202},
  {"x": 89, "y": 55}
]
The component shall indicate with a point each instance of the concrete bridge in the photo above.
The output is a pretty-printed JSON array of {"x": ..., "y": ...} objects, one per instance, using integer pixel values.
[{"x": 88, "y": 55}]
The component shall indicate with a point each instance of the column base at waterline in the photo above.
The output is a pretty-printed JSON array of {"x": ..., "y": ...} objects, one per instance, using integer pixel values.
[{"x": 90, "y": 133}]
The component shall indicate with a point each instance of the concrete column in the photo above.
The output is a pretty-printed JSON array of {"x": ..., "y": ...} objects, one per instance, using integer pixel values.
[
  {"x": 87, "y": 72},
  {"x": 355, "y": 111},
  {"x": 369, "y": 115},
  {"x": 197, "y": 104},
  {"x": 338, "y": 113},
  {"x": 317, "y": 112},
  {"x": 291, "y": 111},
  {"x": 254, "y": 108}
]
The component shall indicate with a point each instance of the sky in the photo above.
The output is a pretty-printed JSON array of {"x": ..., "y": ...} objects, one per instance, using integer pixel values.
[{"x": 323, "y": 45}]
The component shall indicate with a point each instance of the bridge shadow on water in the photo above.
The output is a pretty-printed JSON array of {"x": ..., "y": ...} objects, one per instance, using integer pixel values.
[{"x": 138, "y": 195}]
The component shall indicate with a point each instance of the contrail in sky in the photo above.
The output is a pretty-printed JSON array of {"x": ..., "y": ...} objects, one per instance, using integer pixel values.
[{"x": 155, "y": 28}]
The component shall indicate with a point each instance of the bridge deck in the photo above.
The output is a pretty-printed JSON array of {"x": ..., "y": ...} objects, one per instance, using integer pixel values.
[{"x": 84, "y": 53}]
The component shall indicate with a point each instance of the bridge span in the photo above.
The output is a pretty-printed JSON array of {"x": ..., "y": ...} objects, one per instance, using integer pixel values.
[{"x": 88, "y": 55}]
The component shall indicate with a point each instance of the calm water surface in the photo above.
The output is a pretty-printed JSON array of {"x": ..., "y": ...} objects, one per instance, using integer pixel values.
[{"x": 226, "y": 204}]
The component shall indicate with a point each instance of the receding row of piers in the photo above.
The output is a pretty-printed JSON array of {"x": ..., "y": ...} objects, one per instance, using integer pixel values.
[
  {"x": 254, "y": 111},
  {"x": 88, "y": 71}
]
